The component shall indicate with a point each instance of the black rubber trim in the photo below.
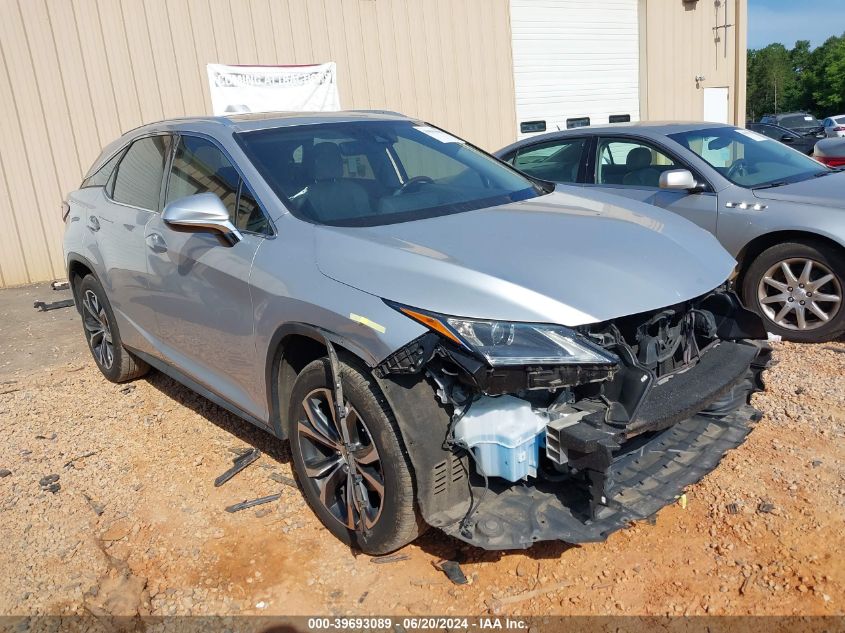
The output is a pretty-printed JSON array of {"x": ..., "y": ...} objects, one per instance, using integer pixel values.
[{"x": 643, "y": 480}]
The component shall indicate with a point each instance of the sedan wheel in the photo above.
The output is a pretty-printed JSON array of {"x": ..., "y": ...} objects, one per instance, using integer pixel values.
[
  {"x": 800, "y": 294},
  {"x": 797, "y": 287},
  {"x": 341, "y": 460}
]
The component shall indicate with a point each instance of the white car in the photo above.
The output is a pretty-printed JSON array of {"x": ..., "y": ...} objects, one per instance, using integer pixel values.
[{"x": 834, "y": 126}]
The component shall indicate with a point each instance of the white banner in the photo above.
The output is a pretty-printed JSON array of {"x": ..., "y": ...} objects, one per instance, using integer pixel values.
[{"x": 236, "y": 89}]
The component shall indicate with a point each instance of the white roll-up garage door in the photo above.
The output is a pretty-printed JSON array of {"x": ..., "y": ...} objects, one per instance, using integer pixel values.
[{"x": 574, "y": 61}]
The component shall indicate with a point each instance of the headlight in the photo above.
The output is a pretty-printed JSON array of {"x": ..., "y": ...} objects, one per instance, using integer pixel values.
[{"x": 506, "y": 343}]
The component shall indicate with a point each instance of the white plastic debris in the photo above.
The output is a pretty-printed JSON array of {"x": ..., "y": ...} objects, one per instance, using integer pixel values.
[{"x": 774, "y": 338}]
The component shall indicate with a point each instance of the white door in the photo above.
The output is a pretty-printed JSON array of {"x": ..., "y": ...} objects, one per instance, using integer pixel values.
[
  {"x": 573, "y": 61},
  {"x": 716, "y": 105}
]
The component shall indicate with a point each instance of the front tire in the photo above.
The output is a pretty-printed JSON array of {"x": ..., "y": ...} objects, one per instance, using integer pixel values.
[
  {"x": 798, "y": 290},
  {"x": 382, "y": 516},
  {"x": 100, "y": 327}
]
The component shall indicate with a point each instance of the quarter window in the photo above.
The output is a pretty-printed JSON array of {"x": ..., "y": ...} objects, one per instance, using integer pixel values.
[
  {"x": 199, "y": 166},
  {"x": 139, "y": 174},
  {"x": 100, "y": 177},
  {"x": 558, "y": 161}
]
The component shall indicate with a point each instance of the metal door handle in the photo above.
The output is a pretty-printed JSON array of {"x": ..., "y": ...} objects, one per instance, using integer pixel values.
[
  {"x": 93, "y": 223},
  {"x": 156, "y": 243}
]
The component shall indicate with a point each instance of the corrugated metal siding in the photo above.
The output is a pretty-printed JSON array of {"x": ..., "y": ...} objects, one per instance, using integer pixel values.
[
  {"x": 680, "y": 45},
  {"x": 75, "y": 74}
]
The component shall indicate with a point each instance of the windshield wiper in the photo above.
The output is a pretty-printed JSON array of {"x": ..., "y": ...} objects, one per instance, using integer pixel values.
[{"x": 779, "y": 183}]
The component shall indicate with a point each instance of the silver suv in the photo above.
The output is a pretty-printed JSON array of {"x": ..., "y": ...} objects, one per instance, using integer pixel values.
[{"x": 444, "y": 341}]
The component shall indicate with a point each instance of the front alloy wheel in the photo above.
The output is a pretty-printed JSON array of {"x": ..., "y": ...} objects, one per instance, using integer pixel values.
[
  {"x": 800, "y": 294},
  {"x": 798, "y": 290},
  {"x": 341, "y": 461},
  {"x": 356, "y": 476}
]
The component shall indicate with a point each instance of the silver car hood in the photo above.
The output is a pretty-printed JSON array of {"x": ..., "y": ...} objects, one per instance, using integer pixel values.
[
  {"x": 827, "y": 191},
  {"x": 559, "y": 258}
]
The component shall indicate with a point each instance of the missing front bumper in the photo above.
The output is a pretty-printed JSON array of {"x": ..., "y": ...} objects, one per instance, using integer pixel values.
[{"x": 639, "y": 483}]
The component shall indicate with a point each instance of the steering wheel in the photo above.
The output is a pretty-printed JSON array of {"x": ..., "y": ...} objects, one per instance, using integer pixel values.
[
  {"x": 411, "y": 182},
  {"x": 739, "y": 168}
]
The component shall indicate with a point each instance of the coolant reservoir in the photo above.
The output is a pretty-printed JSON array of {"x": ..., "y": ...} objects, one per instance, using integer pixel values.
[{"x": 505, "y": 435}]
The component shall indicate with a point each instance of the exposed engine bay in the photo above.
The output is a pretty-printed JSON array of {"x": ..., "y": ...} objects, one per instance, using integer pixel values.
[{"x": 513, "y": 455}]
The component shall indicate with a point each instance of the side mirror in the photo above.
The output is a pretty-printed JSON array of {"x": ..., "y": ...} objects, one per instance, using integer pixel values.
[
  {"x": 202, "y": 211},
  {"x": 786, "y": 138},
  {"x": 678, "y": 180}
]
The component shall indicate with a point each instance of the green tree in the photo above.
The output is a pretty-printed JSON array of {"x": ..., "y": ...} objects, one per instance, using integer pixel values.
[{"x": 771, "y": 79}]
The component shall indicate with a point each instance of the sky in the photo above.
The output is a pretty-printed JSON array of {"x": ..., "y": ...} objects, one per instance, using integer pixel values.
[{"x": 787, "y": 21}]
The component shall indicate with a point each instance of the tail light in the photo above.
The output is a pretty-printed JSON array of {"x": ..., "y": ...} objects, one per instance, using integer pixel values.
[
  {"x": 65, "y": 210},
  {"x": 839, "y": 128},
  {"x": 831, "y": 161}
]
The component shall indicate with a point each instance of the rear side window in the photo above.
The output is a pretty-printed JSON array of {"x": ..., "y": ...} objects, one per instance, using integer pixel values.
[
  {"x": 558, "y": 161},
  {"x": 100, "y": 177},
  {"x": 199, "y": 166},
  {"x": 140, "y": 172}
]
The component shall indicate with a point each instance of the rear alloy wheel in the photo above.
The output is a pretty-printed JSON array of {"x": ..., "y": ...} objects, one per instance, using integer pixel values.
[
  {"x": 355, "y": 476},
  {"x": 114, "y": 361},
  {"x": 798, "y": 290}
]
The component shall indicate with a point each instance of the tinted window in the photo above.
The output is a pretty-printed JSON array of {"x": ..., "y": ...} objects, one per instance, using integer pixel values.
[
  {"x": 139, "y": 174},
  {"x": 558, "y": 161},
  {"x": 100, "y": 177},
  {"x": 417, "y": 171},
  {"x": 799, "y": 120},
  {"x": 748, "y": 159},
  {"x": 631, "y": 162},
  {"x": 199, "y": 166}
]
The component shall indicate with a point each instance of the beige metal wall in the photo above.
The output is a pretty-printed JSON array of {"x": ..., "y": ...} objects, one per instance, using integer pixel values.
[
  {"x": 75, "y": 74},
  {"x": 678, "y": 44}
]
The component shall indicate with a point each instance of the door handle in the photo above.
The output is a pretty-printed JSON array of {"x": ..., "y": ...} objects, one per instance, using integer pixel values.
[
  {"x": 93, "y": 223},
  {"x": 156, "y": 243}
]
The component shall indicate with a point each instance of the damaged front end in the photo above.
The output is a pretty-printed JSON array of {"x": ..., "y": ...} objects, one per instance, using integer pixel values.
[{"x": 572, "y": 445}]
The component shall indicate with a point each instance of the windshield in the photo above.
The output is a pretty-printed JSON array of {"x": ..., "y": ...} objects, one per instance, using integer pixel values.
[
  {"x": 800, "y": 120},
  {"x": 367, "y": 173},
  {"x": 749, "y": 159}
]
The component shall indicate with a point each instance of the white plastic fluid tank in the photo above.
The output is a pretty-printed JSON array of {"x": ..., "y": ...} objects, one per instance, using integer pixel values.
[{"x": 505, "y": 435}]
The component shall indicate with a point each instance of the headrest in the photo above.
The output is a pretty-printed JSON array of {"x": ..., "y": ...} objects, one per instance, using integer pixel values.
[
  {"x": 328, "y": 163},
  {"x": 638, "y": 158}
]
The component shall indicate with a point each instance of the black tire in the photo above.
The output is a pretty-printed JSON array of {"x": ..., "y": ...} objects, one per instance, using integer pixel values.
[
  {"x": 120, "y": 365},
  {"x": 397, "y": 522},
  {"x": 825, "y": 258}
]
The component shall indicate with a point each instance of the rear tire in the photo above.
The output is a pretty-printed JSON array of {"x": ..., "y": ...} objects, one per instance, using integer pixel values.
[
  {"x": 322, "y": 461},
  {"x": 774, "y": 286},
  {"x": 115, "y": 362}
]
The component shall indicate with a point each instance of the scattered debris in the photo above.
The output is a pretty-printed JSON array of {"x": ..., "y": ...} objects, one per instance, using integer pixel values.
[
  {"x": 50, "y": 483},
  {"x": 682, "y": 500},
  {"x": 127, "y": 389},
  {"x": 745, "y": 584},
  {"x": 363, "y": 597},
  {"x": 732, "y": 508},
  {"x": 495, "y": 605},
  {"x": 60, "y": 285},
  {"x": 261, "y": 605},
  {"x": 239, "y": 463},
  {"x": 816, "y": 463},
  {"x": 52, "y": 436},
  {"x": 799, "y": 390},
  {"x": 243, "y": 505},
  {"x": 765, "y": 507},
  {"x": 5, "y": 472},
  {"x": 283, "y": 479},
  {"x": 262, "y": 512},
  {"x": 76, "y": 459},
  {"x": 390, "y": 558},
  {"x": 98, "y": 508},
  {"x": 44, "y": 307},
  {"x": 453, "y": 571}
]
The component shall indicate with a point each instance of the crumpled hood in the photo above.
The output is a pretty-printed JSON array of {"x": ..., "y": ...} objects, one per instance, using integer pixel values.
[
  {"x": 560, "y": 258},
  {"x": 827, "y": 191}
]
